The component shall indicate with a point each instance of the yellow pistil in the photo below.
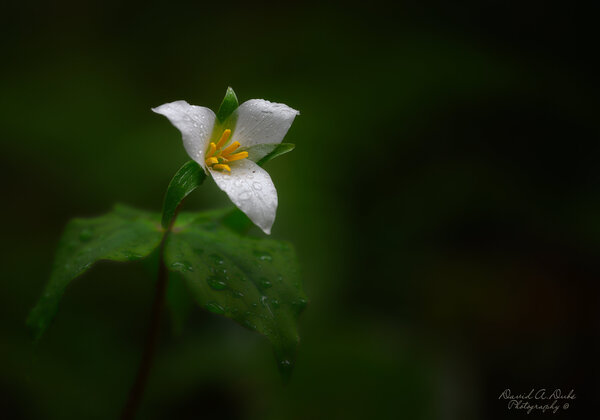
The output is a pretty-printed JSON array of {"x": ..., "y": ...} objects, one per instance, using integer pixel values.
[
  {"x": 218, "y": 157},
  {"x": 221, "y": 167}
]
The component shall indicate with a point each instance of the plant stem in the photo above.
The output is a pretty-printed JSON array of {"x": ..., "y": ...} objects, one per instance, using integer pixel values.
[{"x": 137, "y": 390}]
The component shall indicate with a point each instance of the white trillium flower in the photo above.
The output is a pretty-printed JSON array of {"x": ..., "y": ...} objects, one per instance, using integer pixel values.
[{"x": 225, "y": 150}]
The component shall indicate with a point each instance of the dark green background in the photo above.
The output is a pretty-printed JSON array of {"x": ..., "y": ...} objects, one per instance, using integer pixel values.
[{"x": 443, "y": 199}]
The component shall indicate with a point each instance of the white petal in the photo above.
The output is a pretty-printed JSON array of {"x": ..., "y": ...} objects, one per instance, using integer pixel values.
[
  {"x": 195, "y": 123},
  {"x": 260, "y": 121},
  {"x": 250, "y": 188}
]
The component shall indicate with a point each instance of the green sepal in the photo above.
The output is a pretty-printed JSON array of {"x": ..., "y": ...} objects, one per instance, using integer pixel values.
[
  {"x": 264, "y": 152},
  {"x": 254, "y": 281},
  {"x": 189, "y": 177},
  {"x": 229, "y": 104},
  {"x": 124, "y": 234}
]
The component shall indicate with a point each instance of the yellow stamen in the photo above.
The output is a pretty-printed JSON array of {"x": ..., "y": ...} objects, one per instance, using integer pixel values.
[
  {"x": 231, "y": 148},
  {"x": 218, "y": 157},
  {"x": 220, "y": 166},
  {"x": 237, "y": 156},
  {"x": 224, "y": 138},
  {"x": 212, "y": 148}
]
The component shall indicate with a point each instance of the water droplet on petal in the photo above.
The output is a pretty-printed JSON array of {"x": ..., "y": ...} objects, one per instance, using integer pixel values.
[{"x": 245, "y": 195}]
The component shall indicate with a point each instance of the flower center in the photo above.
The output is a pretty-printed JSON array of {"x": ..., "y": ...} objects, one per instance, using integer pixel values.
[{"x": 218, "y": 156}]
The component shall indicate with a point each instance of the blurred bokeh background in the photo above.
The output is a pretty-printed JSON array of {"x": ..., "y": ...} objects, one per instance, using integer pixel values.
[{"x": 443, "y": 199}]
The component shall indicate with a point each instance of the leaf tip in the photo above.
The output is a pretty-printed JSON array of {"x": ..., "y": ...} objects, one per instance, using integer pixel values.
[{"x": 285, "y": 354}]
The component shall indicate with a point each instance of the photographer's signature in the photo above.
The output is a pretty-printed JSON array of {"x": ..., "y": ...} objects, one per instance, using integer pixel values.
[{"x": 539, "y": 400}]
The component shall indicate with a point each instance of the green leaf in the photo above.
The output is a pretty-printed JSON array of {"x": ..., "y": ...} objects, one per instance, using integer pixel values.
[
  {"x": 124, "y": 234},
  {"x": 264, "y": 152},
  {"x": 189, "y": 177},
  {"x": 237, "y": 221},
  {"x": 253, "y": 281},
  {"x": 229, "y": 104}
]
